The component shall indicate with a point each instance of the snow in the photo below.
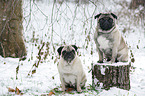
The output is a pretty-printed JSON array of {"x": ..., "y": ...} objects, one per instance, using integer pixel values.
[
  {"x": 68, "y": 23},
  {"x": 114, "y": 64}
]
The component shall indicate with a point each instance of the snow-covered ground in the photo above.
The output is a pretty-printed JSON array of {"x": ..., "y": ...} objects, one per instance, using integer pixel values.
[{"x": 68, "y": 23}]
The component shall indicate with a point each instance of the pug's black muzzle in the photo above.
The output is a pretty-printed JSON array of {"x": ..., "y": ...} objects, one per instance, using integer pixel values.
[
  {"x": 106, "y": 23},
  {"x": 68, "y": 56}
]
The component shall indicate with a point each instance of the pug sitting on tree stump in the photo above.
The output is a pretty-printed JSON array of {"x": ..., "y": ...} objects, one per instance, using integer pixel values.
[{"x": 112, "y": 48}]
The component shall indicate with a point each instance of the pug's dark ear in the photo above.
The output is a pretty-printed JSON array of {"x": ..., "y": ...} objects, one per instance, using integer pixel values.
[
  {"x": 74, "y": 46},
  {"x": 114, "y": 15},
  {"x": 60, "y": 49},
  {"x": 98, "y": 15}
]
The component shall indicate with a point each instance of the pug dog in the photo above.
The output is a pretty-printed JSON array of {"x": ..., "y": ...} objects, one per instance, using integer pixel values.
[
  {"x": 70, "y": 68},
  {"x": 109, "y": 41}
]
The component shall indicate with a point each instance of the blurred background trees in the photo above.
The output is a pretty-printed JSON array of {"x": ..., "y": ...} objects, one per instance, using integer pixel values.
[{"x": 11, "y": 15}]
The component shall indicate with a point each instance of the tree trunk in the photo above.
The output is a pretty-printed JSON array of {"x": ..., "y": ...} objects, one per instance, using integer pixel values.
[
  {"x": 111, "y": 76},
  {"x": 11, "y": 38},
  {"x": 135, "y": 3}
]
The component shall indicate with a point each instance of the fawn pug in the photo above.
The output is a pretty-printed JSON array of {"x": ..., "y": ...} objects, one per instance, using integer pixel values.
[
  {"x": 109, "y": 41},
  {"x": 70, "y": 68}
]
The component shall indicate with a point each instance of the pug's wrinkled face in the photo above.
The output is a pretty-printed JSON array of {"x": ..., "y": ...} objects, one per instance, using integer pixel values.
[
  {"x": 68, "y": 53},
  {"x": 106, "y": 21}
]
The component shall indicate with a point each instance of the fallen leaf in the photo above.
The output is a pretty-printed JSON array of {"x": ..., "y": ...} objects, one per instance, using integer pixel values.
[
  {"x": 51, "y": 93},
  {"x": 69, "y": 89},
  {"x": 11, "y": 90},
  {"x": 18, "y": 92}
]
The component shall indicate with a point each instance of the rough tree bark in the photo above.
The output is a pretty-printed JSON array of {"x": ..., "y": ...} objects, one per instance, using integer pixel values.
[
  {"x": 135, "y": 3},
  {"x": 11, "y": 38},
  {"x": 111, "y": 76}
]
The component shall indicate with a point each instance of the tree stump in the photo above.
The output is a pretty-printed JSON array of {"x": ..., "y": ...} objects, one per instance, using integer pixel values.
[{"x": 111, "y": 75}]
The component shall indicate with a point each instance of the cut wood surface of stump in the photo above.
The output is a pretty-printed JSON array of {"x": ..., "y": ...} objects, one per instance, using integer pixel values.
[{"x": 111, "y": 75}]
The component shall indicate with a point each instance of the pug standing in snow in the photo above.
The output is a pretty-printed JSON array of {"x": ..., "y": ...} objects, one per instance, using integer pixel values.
[
  {"x": 70, "y": 68},
  {"x": 109, "y": 41}
]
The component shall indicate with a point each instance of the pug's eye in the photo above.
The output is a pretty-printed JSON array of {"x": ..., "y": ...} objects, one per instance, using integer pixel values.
[
  {"x": 101, "y": 20},
  {"x": 73, "y": 51},
  {"x": 110, "y": 20},
  {"x": 63, "y": 52}
]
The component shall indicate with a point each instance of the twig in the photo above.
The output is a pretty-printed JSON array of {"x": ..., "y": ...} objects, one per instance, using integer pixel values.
[
  {"x": 3, "y": 51},
  {"x": 93, "y": 3},
  {"x": 17, "y": 70},
  {"x": 38, "y": 62},
  {"x": 29, "y": 16},
  {"x": 40, "y": 10}
]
